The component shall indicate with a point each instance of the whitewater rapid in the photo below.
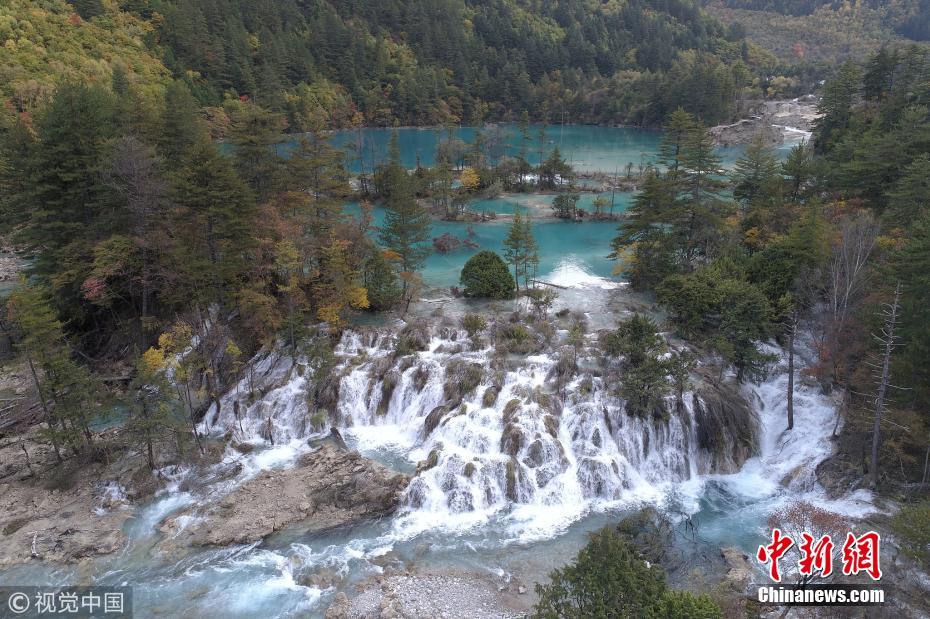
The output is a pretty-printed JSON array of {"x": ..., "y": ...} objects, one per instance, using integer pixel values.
[{"x": 572, "y": 453}]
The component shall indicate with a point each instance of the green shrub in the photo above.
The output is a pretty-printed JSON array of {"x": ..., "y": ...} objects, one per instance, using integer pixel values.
[
  {"x": 485, "y": 275},
  {"x": 474, "y": 324},
  {"x": 517, "y": 333},
  {"x": 609, "y": 579},
  {"x": 685, "y": 605}
]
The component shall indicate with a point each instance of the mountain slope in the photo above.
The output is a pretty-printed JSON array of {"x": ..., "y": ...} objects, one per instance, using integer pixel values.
[
  {"x": 45, "y": 41},
  {"x": 436, "y": 61},
  {"x": 825, "y": 31},
  {"x": 335, "y": 63}
]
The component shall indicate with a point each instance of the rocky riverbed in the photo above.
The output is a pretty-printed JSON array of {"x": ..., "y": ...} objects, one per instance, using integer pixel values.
[
  {"x": 69, "y": 516},
  {"x": 446, "y": 595},
  {"x": 776, "y": 121}
]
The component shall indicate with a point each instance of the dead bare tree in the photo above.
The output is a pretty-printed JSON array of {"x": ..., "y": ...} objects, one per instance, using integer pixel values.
[
  {"x": 847, "y": 277},
  {"x": 888, "y": 342},
  {"x": 134, "y": 174}
]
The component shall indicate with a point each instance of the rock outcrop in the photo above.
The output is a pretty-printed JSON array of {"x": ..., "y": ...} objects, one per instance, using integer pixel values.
[
  {"x": 74, "y": 515},
  {"x": 328, "y": 488},
  {"x": 776, "y": 121},
  {"x": 727, "y": 426},
  {"x": 745, "y": 131}
]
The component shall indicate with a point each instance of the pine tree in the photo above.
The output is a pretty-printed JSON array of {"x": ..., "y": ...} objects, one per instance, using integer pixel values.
[
  {"x": 644, "y": 240},
  {"x": 215, "y": 219},
  {"x": 182, "y": 127},
  {"x": 380, "y": 281},
  {"x": 678, "y": 127},
  {"x": 406, "y": 223},
  {"x": 554, "y": 170},
  {"x": 756, "y": 174},
  {"x": 530, "y": 253},
  {"x": 911, "y": 264},
  {"x": 153, "y": 416},
  {"x": 521, "y": 249},
  {"x": 255, "y": 134},
  {"x": 702, "y": 210},
  {"x": 835, "y": 108},
  {"x": 798, "y": 168},
  {"x": 69, "y": 205},
  {"x": 909, "y": 198},
  {"x": 66, "y": 389}
]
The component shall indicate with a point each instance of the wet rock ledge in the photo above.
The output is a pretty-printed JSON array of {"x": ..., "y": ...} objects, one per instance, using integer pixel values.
[{"x": 329, "y": 488}]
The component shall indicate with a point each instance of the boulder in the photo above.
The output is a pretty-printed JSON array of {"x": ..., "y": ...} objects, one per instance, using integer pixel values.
[
  {"x": 739, "y": 570},
  {"x": 727, "y": 426}
]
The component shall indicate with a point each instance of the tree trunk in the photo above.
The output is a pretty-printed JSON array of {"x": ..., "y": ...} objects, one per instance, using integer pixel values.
[
  {"x": 793, "y": 328},
  {"x": 888, "y": 340}
]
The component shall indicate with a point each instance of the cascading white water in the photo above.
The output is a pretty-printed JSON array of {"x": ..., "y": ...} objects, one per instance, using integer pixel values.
[
  {"x": 576, "y": 462},
  {"x": 510, "y": 442}
]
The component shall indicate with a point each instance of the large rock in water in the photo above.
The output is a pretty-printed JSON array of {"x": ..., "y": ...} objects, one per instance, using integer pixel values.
[
  {"x": 727, "y": 426},
  {"x": 328, "y": 488}
]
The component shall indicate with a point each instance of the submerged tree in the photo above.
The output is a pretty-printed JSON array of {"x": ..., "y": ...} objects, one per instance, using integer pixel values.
[{"x": 521, "y": 249}]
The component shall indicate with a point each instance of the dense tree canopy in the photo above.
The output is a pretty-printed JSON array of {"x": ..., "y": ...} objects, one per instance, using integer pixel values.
[
  {"x": 485, "y": 275},
  {"x": 328, "y": 63}
]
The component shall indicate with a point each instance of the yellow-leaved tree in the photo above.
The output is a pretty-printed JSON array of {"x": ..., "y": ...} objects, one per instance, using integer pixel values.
[
  {"x": 470, "y": 179},
  {"x": 336, "y": 285}
]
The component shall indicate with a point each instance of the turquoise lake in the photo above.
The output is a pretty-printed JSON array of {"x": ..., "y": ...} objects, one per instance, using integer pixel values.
[
  {"x": 588, "y": 148},
  {"x": 578, "y": 247}
]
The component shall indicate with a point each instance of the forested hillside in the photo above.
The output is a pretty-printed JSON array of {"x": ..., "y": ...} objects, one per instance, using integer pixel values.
[
  {"x": 908, "y": 18},
  {"x": 436, "y": 61},
  {"x": 346, "y": 63},
  {"x": 43, "y": 42},
  {"x": 804, "y": 32}
]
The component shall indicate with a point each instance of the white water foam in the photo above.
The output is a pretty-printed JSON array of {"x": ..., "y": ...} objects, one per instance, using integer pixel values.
[
  {"x": 572, "y": 273},
  {"x": 594, "y": 458}
]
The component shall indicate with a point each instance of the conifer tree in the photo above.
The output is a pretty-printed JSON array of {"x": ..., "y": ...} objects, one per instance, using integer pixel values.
[
  {"x": 69, "y": 205},
  {"x": 254, "y": 134},
  {"x": 521, "y": 249},
  {"x": 65, "y": 389},
  {"x": 153, "y": 417},
  {"x": 756, "y": 174},
  {"x": 678, "y": 127},
  {"x": 701, "y": 208},
  {"x": 181, "y": 127},
  {"x": 217, "y": 211},
  {"x": 406, "y": 222},
  {"x": 797, "y": 168}
]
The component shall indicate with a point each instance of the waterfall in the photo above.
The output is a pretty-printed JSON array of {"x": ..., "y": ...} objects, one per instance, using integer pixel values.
[{"x": 486, "y": 433}]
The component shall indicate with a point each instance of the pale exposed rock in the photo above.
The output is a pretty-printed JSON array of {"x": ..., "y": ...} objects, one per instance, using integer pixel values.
[
  {"x": 339, "y": 609},
  {"x": 328, "y": 488},
  {"x": 739, "y": 572}
]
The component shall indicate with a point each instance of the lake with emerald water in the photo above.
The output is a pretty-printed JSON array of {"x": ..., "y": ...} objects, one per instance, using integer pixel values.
[{"x": 571, "y": 253}]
